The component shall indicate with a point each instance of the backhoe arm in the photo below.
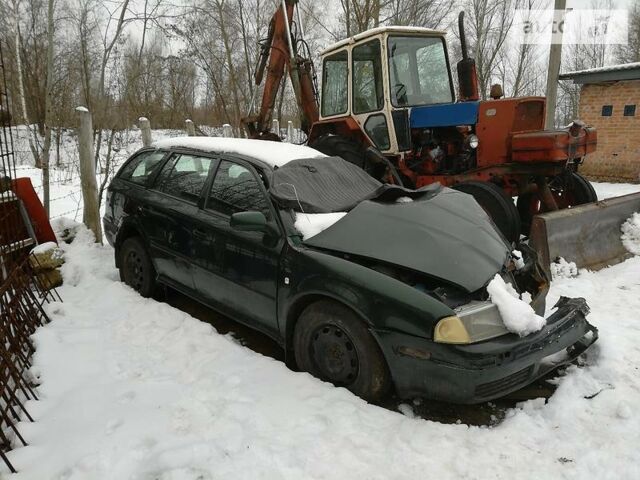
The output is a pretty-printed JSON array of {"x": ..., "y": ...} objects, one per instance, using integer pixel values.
[{"x": 278, "y": 51}]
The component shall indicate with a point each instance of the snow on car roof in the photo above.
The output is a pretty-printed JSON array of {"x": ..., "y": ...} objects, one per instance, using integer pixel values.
[{"x": 274, "y": 154}]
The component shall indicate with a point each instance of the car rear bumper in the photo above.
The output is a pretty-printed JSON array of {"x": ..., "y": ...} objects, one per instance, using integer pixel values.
[
  {"x": 491, "y": 369},
  {"x": 109, "y": 230}
]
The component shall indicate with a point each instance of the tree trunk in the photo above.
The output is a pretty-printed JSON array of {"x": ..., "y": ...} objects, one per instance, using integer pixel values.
[
  {"x": 107, "y": 167},
  {"x": 232, "y": 72},
  {"x": 48, "y": 116}
]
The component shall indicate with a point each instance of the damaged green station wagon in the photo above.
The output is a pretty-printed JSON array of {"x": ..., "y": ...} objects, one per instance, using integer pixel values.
[{"x": 364, "y": 285}]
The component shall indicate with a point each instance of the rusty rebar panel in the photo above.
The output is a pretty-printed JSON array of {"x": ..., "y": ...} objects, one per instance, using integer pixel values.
[{"x": 22, "y": 295}]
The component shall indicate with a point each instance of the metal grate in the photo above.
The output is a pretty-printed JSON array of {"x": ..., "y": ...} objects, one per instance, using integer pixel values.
[{"x": 21, "y": 292}]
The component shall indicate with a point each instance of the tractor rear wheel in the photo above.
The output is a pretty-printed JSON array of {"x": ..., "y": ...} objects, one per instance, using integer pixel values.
[
  {"x": 339, "y": 146},
  {"x": 351, "y": 151},
  {"x": 569, "y": 190},
  {"x": 498, "y": 205}
]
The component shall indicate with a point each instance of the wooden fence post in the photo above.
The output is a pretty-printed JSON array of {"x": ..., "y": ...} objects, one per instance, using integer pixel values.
[
  {"x": 276, "y": 126},
  {"x": 191, "y": 128},
  {"x": 91, "y": 213},
  {"x": 145, "y": 130}
]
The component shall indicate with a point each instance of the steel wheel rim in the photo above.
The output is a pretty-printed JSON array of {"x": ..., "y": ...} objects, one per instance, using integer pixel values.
[
  {"x": 564, "y": 197},
  {"x": 334, "y": 355},
  {"x": 134, "y": 270}
]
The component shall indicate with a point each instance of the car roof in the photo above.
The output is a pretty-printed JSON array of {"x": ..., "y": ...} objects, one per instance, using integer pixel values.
[{"x": 273, "y": 154}]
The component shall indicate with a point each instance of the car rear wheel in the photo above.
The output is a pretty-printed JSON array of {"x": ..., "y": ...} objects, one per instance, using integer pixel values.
[
  {"x": 498, "y": 205},
  {"x": 136, "y": 269},
  {"x": 334, "y": 345}
]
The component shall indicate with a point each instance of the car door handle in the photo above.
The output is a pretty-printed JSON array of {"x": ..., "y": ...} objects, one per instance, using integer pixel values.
[{"x": 198, "y": 233}]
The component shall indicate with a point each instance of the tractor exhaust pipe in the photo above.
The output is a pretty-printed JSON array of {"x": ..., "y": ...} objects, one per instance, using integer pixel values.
[{"x": 467, "y": 75}]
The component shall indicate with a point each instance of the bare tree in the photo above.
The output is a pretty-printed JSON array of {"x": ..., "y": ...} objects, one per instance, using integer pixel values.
[
  {"x": 631, "y": 52},
  {"x": 48, "y": 101},
  {"x": 32, "y": 133},
  {"x": 490, "y": 22},
  {"x": 422, "y": 13}
]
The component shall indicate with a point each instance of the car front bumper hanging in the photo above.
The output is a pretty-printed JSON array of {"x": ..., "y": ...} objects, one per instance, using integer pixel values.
[{"x": 486, "y": 370}]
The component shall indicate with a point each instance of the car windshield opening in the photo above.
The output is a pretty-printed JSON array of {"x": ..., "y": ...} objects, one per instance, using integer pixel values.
[
  {"x": 418, "y": 71},
  {"x": 321, "y": 185}
]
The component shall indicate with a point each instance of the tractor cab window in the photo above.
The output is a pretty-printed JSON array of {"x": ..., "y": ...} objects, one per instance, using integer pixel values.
[
  {"x": 335, "y": 84},
  {"x": 418, "y": 71},
  {"x": 367, "y": 77}
]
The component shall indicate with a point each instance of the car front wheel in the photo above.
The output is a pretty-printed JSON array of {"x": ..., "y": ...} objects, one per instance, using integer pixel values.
[
  {"x": 334, "y": 345},
  {"x": 136, "y": 269}
]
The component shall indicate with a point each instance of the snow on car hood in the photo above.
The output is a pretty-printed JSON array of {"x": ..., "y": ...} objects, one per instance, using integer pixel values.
[{"x": 445, "y": 235}]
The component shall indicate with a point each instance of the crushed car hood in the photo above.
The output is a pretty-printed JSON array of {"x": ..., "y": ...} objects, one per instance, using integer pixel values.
[{"x": 443, "y": 233}]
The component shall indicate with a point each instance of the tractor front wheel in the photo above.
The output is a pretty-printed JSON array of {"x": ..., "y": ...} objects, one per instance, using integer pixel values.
[
  {"x": 498, "y": 205},
  {"x": 569, "y": 190}
]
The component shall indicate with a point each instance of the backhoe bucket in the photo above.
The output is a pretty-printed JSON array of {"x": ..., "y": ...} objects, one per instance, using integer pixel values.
[{"x": 588, "y": 235}]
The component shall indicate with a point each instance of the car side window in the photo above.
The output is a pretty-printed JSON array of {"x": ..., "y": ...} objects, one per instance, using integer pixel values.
[
  {"x": 236, "y": 189},
  {"x": 142, "y": 167},
  {"x": 184, "y": 176}
]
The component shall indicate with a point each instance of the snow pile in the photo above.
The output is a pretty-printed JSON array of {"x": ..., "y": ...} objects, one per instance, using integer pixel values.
[
  {"x": 310, "y": 224},
  {"x": 44, "y": 248},
  {"x": 131, "y": 388},
  {"x": 631, "y": 234},
  {"x": 517, "y": 314},
  {"x": 563, "y": 269}
]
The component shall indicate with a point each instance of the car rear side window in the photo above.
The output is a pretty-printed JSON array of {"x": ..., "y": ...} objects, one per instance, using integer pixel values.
[
  {"x": 236, "y": 189},
  {"x": 142, "y": 167},
  {"x": 184, "y": 176}
]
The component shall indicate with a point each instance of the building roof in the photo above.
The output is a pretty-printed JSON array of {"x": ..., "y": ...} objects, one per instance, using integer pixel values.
[
  {"x": 393, "y": 29},
  {"x": 274, "y": 154},
  {"x": 612, "y": 73}
]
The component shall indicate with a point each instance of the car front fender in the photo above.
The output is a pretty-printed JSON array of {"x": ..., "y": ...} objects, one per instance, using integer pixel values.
[{"x": 380, "y": 300}]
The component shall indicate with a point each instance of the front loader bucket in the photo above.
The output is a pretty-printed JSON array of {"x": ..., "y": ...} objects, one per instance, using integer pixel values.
[{"x": 588, "y": 235}]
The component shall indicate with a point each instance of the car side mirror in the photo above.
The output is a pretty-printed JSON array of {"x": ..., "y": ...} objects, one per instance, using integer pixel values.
[{"x": 250, "y": 222}]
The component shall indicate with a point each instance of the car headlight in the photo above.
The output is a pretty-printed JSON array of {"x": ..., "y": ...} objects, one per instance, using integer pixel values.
[
  {"x": 451, "y": 330},
  {"x": 473, "y": 141},
  {"x": 473, "y": 322}
]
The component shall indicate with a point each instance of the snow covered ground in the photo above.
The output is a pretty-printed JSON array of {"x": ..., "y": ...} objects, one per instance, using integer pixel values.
[
  {"x": 608, "y": 190},
  {"x": 135, "y": 389}
]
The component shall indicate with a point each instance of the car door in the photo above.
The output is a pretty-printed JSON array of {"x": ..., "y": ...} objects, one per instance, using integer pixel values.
[
  {"x": 236, "y": 271},
  {"x": 129, "y": 189},
  {"x": 169, "y": 213}
]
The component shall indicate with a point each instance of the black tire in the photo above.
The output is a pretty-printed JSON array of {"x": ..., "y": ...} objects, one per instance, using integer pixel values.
[
  {"x": 583, "y": 190},
  {"x": 569, "y": 190},
  {"x": 136, "y": 269},
  {"x": 498, "y": 205},
  {"x": 356, "y": 361},
  {"x": 339, "y": 146}
]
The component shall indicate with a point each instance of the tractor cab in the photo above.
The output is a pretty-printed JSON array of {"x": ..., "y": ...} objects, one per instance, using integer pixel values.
[{"x": 375, "y": 81}]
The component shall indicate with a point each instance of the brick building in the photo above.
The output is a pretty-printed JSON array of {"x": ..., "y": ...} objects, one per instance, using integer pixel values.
[{"x": 610, "y": 101}]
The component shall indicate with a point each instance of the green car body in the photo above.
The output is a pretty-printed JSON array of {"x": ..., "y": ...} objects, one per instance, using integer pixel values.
[{"x": 265, "y": 275}]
